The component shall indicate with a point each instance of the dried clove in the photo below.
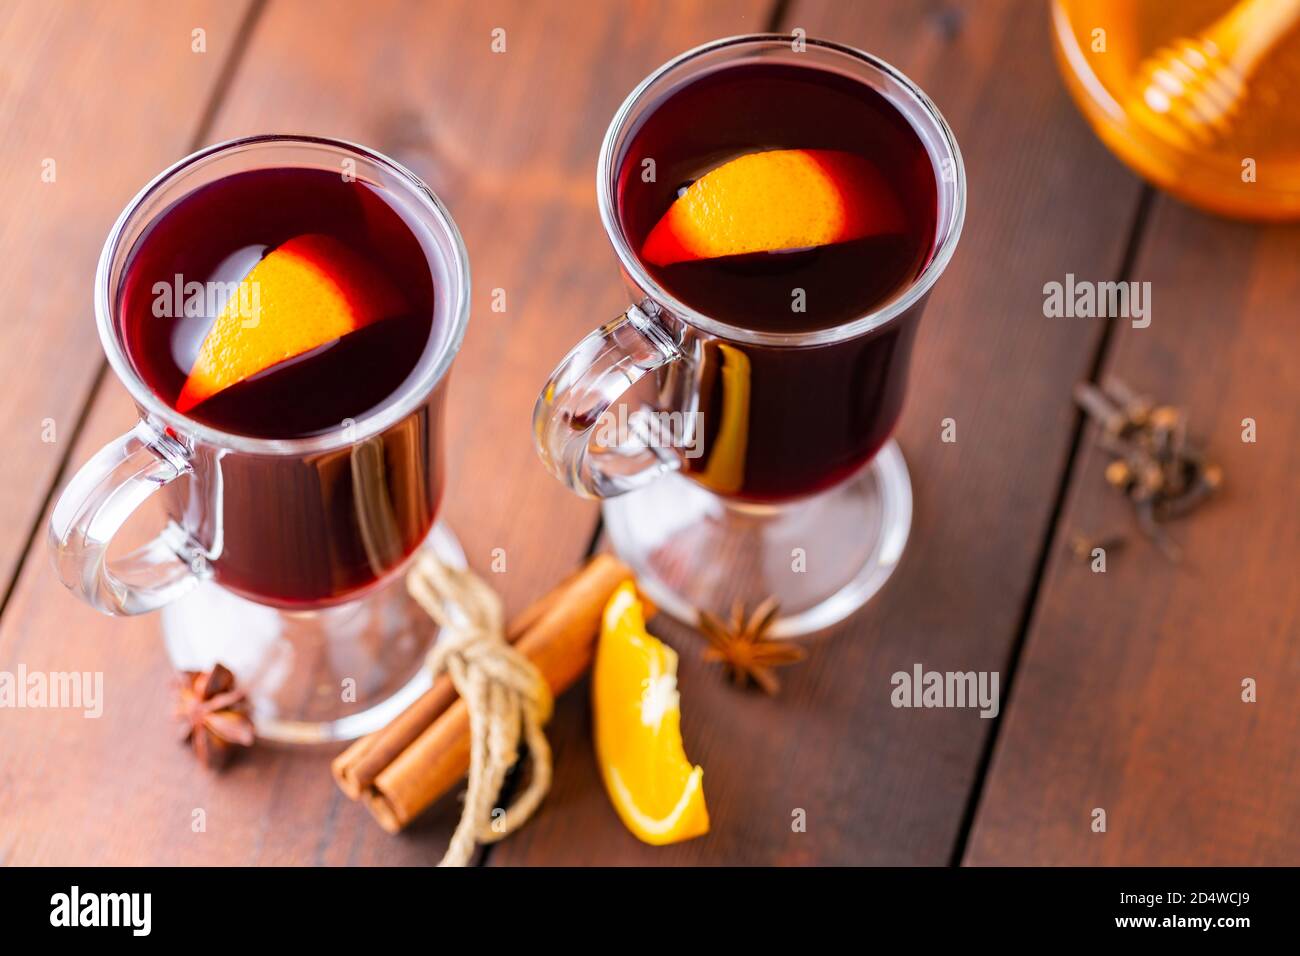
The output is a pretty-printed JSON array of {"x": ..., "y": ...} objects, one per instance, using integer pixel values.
[{"x": 1154, "y": 465}]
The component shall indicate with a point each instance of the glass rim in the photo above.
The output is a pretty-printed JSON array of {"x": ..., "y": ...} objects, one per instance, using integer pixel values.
[
  {"x": 366, "y": 426},
  {"x": 949, "y": 228}
]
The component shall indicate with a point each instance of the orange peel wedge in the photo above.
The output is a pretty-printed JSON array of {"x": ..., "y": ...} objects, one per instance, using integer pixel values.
[
  {"x": 303, "y": 294},
  {"x": 656, "y": 791},
  {"x": 776, "y": 200}
]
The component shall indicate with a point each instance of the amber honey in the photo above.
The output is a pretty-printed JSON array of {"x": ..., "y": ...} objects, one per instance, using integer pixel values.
[{"x": 1251, "y": 169}]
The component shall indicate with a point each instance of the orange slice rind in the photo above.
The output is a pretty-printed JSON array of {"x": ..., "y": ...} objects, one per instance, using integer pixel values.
[
  {"x": 656, "y": 791},
  {"x": 776, "y": 200},
  {"x": 303, "y": 294}
]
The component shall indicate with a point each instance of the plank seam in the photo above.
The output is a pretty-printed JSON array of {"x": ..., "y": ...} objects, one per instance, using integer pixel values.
[
  {"x": 226, "y": 75},
  {"x": 771, "y": 25},
  {"x": 39, "y": 520},
  {"x": 224, "y": 78},
  {"x": 779, "y": 10},
  {"x": 1137, "y": 230}
]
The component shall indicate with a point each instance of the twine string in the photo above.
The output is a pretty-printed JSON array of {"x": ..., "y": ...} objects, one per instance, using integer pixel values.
[{"x": 507, "y": 697}]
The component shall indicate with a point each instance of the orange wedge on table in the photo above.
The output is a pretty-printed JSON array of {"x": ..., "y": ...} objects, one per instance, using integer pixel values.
[
  {"x": 306, "y": 293},
  {"x": 775, "y": 200},
  {"x": 656, "y": 791}
]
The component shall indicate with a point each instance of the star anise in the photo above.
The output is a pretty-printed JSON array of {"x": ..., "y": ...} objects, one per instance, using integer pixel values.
[
  {"x": 742, "y": 647},
  {"x": 213, "y": 714}
]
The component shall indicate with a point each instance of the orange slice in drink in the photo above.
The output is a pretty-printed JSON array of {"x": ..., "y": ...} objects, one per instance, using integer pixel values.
[
  {"x": 303, "y": 294},
  {"x": 776, "y": 200},
  {"x": 655, "y": 790}
]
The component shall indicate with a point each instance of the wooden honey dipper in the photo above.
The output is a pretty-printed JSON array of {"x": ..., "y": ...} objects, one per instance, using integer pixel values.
[{"x": 1189, "y": 90}]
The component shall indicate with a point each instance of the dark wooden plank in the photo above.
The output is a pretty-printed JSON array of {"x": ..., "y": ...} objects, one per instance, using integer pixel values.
[
  {"x": 117, "y": 789},
  {"x": 111, "y": 93},
  {"x": 882, "y": 785},
  {"x": 509, "y": 141},
  {"x": 1129, "y": 695}
]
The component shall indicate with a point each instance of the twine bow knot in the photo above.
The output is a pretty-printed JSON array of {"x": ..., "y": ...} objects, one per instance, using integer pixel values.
[{"x": 506, "y": 696}]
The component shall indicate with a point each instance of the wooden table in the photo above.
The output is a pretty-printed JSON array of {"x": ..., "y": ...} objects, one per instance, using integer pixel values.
[{"x": 1121, "y": 690}]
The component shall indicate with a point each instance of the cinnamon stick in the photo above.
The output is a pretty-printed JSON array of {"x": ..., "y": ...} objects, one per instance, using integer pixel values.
[
  {"x": 417, "y": 764},
  {"x": 355, "y": 769}
]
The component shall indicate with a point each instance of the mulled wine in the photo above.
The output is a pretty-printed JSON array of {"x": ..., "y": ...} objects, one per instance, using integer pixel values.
[
  {"x": 213, "y": 238},
  {"x": 288, "y": 303},
  {"x": 780, "y": 420}
]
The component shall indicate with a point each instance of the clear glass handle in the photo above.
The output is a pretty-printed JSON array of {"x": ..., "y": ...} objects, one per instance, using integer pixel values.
[
  {"x": 96, "y": 503},
  {"x": 582, "y": 388}
]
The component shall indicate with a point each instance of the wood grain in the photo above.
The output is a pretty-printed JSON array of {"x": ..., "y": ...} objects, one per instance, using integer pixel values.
[
  {"x": 81, "y": 85},
  {"x": 1128, "y": 691},
  {"x": 509, "y": 141},
  {"x": 1129, "y": 696},
  {"x": 881, "y": 785}
]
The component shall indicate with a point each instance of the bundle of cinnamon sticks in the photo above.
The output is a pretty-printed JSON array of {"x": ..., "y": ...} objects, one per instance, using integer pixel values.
[{"x": 397, "y": 772}]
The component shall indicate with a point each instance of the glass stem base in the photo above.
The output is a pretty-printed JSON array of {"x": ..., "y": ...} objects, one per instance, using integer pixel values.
[
  {"x": 315, "y": 676},
  {"x": 822, "y": 557}
]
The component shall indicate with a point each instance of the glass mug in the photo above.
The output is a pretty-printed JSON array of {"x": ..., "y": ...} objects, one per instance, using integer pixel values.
[
  {"x": 280, "y": 558},
  {"x": 795, "y": 489}
]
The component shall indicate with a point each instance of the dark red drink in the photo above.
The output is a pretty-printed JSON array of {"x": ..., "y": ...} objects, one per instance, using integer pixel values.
[
  {"x": 783, "y": 421},
  {"x": 310, "y": 529},
  {"x": 217, "y": 234}
]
